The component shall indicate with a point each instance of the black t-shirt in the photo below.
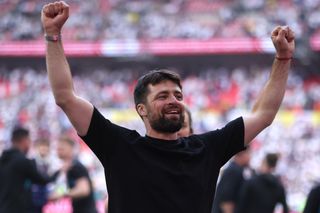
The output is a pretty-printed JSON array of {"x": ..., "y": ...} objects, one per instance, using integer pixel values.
[
  {"x": 84, "y": 204},
  {"x": 145, "y": 174}
]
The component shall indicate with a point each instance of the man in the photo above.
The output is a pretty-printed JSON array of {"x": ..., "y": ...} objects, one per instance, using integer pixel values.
[
  {"x": 45, "y": 165},
  {"x": 313, "y": 204},
  {"x": 17, "y": 173},
  {"x": 232, "y": 179},
  {"x": 78, "y": 180},
  {"x": 160, "y": 172},
  {"x": 186, "y": 129},
  {"x": 263, "y": 191}
]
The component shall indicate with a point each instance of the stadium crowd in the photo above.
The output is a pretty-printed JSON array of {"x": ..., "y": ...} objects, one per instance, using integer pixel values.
[
  {"x": 166, "y": 19},
  {"x": 212, "y": 94}
]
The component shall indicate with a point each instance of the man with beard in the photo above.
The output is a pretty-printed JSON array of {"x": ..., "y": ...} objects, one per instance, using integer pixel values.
[{"x": 160, "y": 172}]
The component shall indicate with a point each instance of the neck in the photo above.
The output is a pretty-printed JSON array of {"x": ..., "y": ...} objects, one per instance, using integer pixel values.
[
  {"x": 159, "y": 135},
  {"x": 266, "y": 170},
  {"x": 163, "y": 136},
  {"x": 20, "y": 148}
]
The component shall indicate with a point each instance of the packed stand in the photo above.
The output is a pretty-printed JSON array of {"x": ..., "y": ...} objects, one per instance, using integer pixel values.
[{"x": 100, "y": 20}]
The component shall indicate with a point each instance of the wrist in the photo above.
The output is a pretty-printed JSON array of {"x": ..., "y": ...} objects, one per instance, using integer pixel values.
[
  {"x": 284, "y": 58},
  {"x": 67, "y": 194},
  {"x": 286, "y": 54},
  {"x": 52, "y": 37},
  {"x": 52, "y": 30}
]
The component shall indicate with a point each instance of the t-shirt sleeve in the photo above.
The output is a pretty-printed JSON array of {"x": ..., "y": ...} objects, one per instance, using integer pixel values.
[
  {"x": 103, "y": 136},
  {"x": 226, "y": 142},
  {"x": 76, "y": 172}
]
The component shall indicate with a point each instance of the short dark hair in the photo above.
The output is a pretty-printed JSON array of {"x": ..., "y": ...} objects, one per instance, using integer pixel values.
[
  {"x": 153, "y": 77},
  {"x": 18, "y": 134},
  {"x": 272, "y": 159},
  {"x": 42, "y": 141},
  {"x": 189, "y": 120},
  {"x": 67, "y": 140}
]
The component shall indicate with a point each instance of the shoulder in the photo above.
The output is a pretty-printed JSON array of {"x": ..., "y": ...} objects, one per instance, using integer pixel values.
[
  {"x": 101, "y": 125},
  {"x": 78, "y": 165},
  {"x": 230, "y": 129},
  {"x": 77, "y": 168}
]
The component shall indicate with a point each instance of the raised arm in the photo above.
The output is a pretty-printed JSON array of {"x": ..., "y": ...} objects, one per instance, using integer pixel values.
[
  {"x": 271, "y": 96},
  {"x": 78, "y": 110}
]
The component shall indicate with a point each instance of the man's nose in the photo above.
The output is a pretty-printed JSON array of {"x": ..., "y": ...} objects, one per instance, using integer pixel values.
[{"x": 173, "y": 99}]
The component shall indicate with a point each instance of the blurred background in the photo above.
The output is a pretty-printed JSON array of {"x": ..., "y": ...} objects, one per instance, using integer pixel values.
[{"x": 222, "y": 50}]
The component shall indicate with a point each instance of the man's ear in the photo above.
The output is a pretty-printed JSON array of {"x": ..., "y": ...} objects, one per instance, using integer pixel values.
[{"x": 142, "y": 110}]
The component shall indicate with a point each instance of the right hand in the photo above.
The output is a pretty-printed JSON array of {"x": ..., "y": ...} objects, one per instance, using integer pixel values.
[
  {"x": 283, "y": 40},
  {"x": 53, "y": 17}
]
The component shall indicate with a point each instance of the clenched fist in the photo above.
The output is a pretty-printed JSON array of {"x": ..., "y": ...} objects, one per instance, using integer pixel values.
[
  {"x": 283, "y": 41},
  {"x": 53, "y": 17}
]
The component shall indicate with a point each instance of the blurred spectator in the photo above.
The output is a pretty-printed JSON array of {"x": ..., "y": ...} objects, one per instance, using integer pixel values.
[
  {"x": 77, "y": 177},
  {"x": 45, "y": 164},
  {"x": 313, "y": 204},
  {"x": 232, "y": 179},
  {"x": 17, "y": 173},
  {"x": 262, "y": 192},
  {"x": 186, "y": 128}
]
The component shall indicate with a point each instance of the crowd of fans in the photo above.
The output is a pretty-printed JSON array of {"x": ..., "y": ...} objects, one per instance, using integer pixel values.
[
  {"x": 165, "y": 19},
  {"x": 214, "y": 95}
]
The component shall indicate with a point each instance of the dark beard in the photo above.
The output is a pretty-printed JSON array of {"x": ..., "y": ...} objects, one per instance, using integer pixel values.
[{"x": 165, "y": 125}]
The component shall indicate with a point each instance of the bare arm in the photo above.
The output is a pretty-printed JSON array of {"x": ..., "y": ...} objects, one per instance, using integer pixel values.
[
  {"x": 271, "y": 96},
  {"x": 81, "y": 189},
  {"x": 78, "y": 110}
]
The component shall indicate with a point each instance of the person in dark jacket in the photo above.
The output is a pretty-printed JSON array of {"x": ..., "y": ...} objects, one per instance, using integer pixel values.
[
  {"x": 231, "y": 182},
  {"x": 17, "y": 173},
  {"x": 262, "y": 192},
  {"x": 313, "y": 201}
]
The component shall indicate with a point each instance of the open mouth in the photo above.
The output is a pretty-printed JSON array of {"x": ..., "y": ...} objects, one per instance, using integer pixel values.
[{"x": 173, "y": 112}]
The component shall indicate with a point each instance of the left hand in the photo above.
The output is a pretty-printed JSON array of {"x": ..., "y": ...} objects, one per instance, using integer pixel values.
[
  {"x": 57, "y": 196},
  {"x": 283, "y": 40}
]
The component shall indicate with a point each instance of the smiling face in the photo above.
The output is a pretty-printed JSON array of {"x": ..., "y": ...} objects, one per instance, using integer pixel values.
[{"x": 164, "y": 109}]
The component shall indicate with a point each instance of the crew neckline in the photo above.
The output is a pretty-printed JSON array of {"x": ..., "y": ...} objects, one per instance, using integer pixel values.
[{"x": 163, "y": 142}]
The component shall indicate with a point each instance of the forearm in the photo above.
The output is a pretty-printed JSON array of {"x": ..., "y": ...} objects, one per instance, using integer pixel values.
[
  {"x": 34, "y": 175},
  {"x": 76, "y": 193},
  {"x": 59, "y": 72},
  {"x": 271, "y": 96},
  {"x": 269, "y": 101},
  {"x": 81, "y": 189}
]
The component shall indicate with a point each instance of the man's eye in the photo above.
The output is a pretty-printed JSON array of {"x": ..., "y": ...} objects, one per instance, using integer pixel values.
[{"x": 179, "y": 97}]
